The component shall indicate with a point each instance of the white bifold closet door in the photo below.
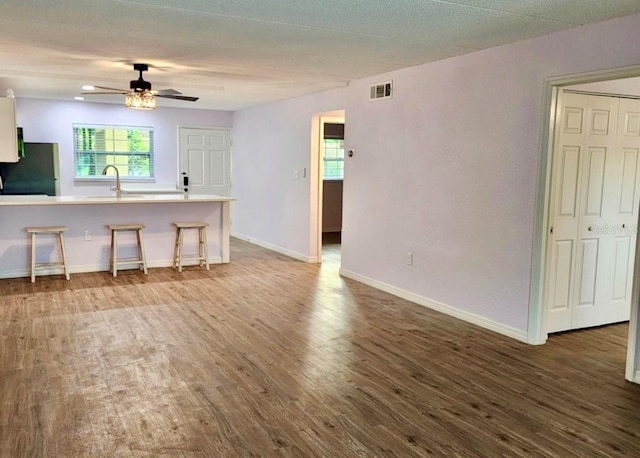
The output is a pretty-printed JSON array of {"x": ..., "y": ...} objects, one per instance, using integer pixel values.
[{"x": 594, "y": 202}]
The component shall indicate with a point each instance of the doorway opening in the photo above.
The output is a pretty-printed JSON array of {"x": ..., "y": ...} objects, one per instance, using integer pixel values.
[
  {"x": 592, "y": 167},
  {"x": 327, "y": 186}
]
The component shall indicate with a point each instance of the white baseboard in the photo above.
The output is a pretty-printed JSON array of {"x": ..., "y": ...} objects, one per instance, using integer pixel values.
[
  {"x": 98, "y": 268},
  {"x": 440, "y": 307},
  {"x": 636, "y": 377},
  {"x": 276, "y": 248}
]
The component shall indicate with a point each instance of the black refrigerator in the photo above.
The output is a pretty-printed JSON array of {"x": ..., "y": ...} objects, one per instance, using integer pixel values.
[{"x": 35, "y": 173}]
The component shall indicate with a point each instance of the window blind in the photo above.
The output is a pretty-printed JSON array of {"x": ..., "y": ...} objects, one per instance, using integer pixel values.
[{"x": 129, "y": 148}]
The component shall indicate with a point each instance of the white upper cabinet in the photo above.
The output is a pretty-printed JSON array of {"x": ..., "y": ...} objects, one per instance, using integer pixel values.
[{"x": 8, "y": 132}]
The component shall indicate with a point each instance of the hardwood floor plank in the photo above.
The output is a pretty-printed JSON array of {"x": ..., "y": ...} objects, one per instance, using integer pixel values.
[{"x": 268, "y": 356}]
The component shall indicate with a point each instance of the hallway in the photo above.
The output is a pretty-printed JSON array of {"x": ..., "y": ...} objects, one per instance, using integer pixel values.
[{"x": 331, "y": 248}]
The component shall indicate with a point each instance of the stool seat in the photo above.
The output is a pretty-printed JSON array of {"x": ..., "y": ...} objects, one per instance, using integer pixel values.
[
  {"x": 140, "y": 259},
  {"x": 192, "y": 225},
  {"x": 57, "y": 230},
  {"x": 202, "y": 256},
  {"x": 125, "y": 227},
  {"x": 46, "y": 229}
]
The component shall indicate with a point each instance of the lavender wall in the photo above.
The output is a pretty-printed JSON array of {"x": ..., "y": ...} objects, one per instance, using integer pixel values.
[
  {"x": 447, "y": 169},
  {"x": 270, "y": 142},
  {"x": 51, "y": 122}
]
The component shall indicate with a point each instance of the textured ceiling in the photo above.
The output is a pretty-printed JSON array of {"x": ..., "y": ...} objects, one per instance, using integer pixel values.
[{"x": 238, "y": 53}]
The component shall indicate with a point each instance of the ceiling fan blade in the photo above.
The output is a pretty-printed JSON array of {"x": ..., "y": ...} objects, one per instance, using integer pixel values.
[
  {"x": 178, "y": 97},
  {"x": 110, "y": 89},
  {"x": 103, "y": 93},
  {"x": 142, "y": 88},
  {"x": 168, "y": 92}
]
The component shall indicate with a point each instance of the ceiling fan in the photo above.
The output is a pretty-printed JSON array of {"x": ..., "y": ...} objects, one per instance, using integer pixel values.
[{"x": 140, "y": 95}]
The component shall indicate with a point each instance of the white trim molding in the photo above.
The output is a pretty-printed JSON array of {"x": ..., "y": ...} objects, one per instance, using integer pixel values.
[
  {"x": 25, "y": 273},
  {"x": 514, "y": 333},
  {"x": 631, "y": 367},
  {"x": 276, "y": 248}
]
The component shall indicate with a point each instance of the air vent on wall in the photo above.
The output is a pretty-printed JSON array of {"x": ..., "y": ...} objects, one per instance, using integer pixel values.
[{"x": 381, "y": 91}]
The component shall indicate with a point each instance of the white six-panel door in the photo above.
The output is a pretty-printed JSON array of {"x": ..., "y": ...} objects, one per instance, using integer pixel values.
[
  {"x": 205, "y": 158},
  {"x": 594, "y": 199}
]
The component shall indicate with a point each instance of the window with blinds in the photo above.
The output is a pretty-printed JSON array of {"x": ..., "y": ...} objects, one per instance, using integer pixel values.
[
  {"x": 333, "y": 158},
  {"x": 128, "y": 148}
]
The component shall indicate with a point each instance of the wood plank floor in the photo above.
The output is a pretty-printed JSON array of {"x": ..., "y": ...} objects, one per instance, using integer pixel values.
[{"x": 268, "y": 356}]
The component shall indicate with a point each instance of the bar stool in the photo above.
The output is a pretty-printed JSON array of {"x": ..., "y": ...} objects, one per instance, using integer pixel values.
[
  {"x": 40, "y": 265},
  {"x": 114, "y": 261},
  {"x": 202, "y": 256}
]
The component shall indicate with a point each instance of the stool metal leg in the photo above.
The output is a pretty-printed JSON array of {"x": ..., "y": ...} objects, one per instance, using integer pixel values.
[{"x": 64, "y": 256}]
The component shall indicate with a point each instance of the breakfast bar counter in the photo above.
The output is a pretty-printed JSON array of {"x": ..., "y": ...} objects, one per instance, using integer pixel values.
[
  {"x": 88, "y": 239},
  {"x": 109, "y": 199}
]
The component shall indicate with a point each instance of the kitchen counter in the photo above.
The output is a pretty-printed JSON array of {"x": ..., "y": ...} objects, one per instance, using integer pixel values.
[
  {"x": 100, "y": 200},
  {"x": 88, "y": 238}
]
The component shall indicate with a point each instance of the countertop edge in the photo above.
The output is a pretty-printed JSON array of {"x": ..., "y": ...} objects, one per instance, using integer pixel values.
[{"x": 110, "y": 200}]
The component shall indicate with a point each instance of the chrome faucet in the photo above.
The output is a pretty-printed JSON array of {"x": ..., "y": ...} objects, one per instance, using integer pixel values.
[{"x": 117, "y": 188}]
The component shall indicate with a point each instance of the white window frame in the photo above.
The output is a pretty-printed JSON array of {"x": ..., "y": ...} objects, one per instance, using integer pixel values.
[
  {"x": 325, "y": 160},
  {"x": 123, "y": 173}
]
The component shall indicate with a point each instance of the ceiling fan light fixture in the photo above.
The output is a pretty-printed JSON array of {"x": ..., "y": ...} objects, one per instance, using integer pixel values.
[
  {"x": 140, "y": 100},
  {"x": 139, "y": 95}
]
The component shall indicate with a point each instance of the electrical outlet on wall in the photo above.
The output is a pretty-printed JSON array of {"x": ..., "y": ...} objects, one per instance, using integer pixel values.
[
  {"x": 409, "y": 258},
  {"x": 296, "y": 174},
  {"x": 87, "y": 235}
]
